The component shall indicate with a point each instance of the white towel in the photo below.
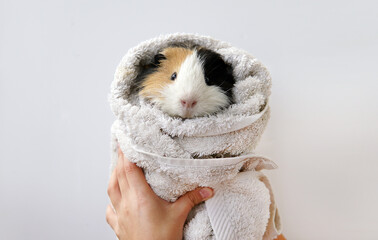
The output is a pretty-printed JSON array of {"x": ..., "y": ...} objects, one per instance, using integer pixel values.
[{"x": 178, "y": 156}]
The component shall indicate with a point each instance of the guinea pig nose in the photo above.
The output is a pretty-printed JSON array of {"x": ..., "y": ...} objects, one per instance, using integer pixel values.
[{"x": 188, "y": 103}]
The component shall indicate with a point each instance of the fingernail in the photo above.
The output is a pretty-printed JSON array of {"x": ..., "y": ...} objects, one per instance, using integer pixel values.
[{"x": 206, "y": 193}]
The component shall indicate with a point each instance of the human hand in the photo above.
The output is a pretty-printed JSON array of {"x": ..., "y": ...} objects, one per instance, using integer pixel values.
[{"x": 139, "y": 212}]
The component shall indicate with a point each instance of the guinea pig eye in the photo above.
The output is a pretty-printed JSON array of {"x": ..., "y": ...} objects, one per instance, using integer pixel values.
[
  {"x": 207, "y": 80},
  {"x": 174, "y": 75}
]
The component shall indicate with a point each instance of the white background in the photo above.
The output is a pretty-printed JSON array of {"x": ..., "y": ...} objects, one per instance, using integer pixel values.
[{"x": 57, "y": 60}]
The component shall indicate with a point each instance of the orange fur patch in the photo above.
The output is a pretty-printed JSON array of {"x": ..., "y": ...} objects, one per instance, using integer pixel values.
[
  {"x": 155, "y": 82},
  {"x": 280, "y": 237}
]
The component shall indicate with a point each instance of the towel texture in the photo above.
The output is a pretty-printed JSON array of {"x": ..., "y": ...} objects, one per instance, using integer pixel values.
[{"x": 216, "y": 151}]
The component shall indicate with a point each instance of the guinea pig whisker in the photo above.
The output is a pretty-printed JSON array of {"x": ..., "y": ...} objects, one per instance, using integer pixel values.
[
  {"x": 213, "y": 69},
  {"x": 220, "y": 85}
]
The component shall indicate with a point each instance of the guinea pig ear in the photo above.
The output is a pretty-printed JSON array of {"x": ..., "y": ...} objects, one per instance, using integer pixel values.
[{"x": 158, "y": 57}]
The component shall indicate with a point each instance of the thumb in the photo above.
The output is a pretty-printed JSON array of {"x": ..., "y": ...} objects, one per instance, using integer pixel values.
[{"x": 186, "y": 202}]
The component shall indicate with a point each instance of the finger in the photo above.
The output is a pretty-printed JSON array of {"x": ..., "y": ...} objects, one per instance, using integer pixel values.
[
  {"x": 121, "y": 174},
  {"x": 111, "y": 217},
  {"x": 114, "y": 191},
  {"x": 135, "y": 177},
  {"x": 186, "y": 202}
]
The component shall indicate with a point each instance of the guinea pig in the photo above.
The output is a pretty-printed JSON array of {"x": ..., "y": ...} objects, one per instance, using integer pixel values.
[{"x": 187, "y": 82}]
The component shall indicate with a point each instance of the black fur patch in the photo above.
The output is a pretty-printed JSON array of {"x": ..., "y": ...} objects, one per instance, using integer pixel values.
[
  {"x": 145, "y": 71},
  {"x": 217, "y": 71},
  {"x": 157, "y": 59}
]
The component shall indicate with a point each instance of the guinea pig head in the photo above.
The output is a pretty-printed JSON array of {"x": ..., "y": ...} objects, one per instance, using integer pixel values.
[{"x": 188, "y": 82}]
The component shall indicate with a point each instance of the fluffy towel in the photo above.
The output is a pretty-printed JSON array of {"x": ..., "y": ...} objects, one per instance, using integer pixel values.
[{"x": 216, "y": 151}]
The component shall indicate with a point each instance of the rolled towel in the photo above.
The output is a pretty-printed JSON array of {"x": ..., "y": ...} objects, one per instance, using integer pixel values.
[{"x": 216, "y": 150}]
